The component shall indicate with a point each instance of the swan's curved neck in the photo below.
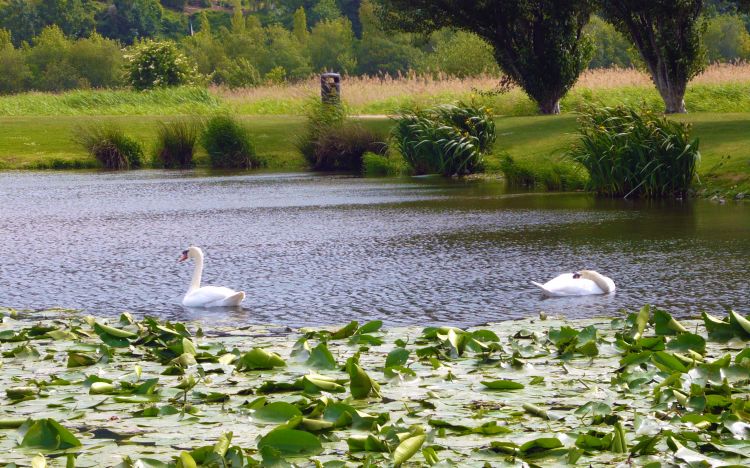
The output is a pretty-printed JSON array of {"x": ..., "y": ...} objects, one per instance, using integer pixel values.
[
  {"x": 195, "y": 283},
  {"x": 600, "y": 280}
]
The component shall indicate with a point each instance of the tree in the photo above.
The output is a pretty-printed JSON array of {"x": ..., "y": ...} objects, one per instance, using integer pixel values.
[
  {"x": 153, "y": 64},
  {"x": 299, "y": 27},
  {"x": 611, "y": 48},
  {"x": 72, "y": 16},
  {"x": 15, "y": 71},
  {"x": 21, "y": 17},
  {"x": 726, "y": 39},
  {"x": 667, "y": 34},
  {"x": 128, "y": 20},
  {"x": 331, "y": 46},
  {"x": 539, "y": 44}
]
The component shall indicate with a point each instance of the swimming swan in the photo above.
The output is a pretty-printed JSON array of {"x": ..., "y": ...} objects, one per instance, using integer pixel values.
[
  {"x": 206, "y": 296},
  {"x": 583, "y": 283}
]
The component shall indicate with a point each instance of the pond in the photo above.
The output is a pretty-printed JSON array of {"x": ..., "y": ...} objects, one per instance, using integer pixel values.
[{"x": 311, "y": 249}]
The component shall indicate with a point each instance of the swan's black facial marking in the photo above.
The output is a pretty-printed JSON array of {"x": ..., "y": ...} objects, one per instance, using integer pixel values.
[
  {"x": 184, "y": 252},
  {"x": 576, "y": 275}
]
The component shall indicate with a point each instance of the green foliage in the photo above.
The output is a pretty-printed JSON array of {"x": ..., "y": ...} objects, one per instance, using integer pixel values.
[
  {"x": 320, "y": 119},
  {"x": 16, "y": 73},
  {"x": 667, "y": 34},
  {"x": 110, "y": 146},
  {"x": 377, "y": 165},
  {"x": 342, "y": 148},
  {"x": 98, "y": 61},
  {"x": 446, "y": 140},
  {"x": 238, "y": 73},
  {"x": 727, "y": 39},
  {"x": 627, "y": 152},
  {"x": 175, "y": 143},
  {"x": 152, "y": 64},
  {"x": 461, "y": 54},
  {"x": 611, "y": 48},
  {"x": 331, "y": 46},
  {"x": 130, "y": 20},
  {"x": 539, "y": 44},
  {"x": 558, "y": 175},
  {"x": 228, "y": 144}
]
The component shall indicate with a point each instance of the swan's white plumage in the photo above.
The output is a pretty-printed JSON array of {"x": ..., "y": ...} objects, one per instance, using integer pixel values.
[
  {"x": 207, "y": 296},
  {"x": 588, "y": 283}
]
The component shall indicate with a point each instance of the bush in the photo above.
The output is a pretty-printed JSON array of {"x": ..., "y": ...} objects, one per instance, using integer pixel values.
[
  {"x": 631, "y": 153},
  {"x": 175, "y": 144},
  {"x": 448, "y": 140},
  {"x": 555, "y": 176},
  {"x": 228, "y": 144},
  {"x": 110, "y": 146},
  {"x": 726, "y": 39},
  {"x": 461, "y": 54},
  {"x": 154, "y": 64},
  {"x": 378, "y": 165},
  {"x": 342, "y": 148},
  {"x": 320, "y": 119}
]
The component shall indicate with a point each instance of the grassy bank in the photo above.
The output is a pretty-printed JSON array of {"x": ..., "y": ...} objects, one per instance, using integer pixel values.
[
  {"x": 537, "y": 144},
  {"x": 642, "y": 389}
]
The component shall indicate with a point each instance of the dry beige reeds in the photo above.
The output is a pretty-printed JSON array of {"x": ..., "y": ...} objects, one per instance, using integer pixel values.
[{"x": 363, "y": 90}]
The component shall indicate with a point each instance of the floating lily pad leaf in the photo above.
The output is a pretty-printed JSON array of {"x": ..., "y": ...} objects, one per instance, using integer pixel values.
[
  {"x": 259, "y": 359},
  {"x": 407, "y": 448},
  {"x": 321, "y": 358},
  {"x": 687, "y": 341},
  {"x": 136, "y": 398},
  {"x": 23, "y": 352},
  {"x": 667, "y": 362},
  {"x": 718, "y": 330},
  {"x": 291, "y": 442},
  {"x": 691, "y": 457},
  {"x": 361, "y": 385},
  {"x": 370, "y": 327},
  {"x": 315, "y": 425},
  {"x": 542, "y": 447},
  {"x": 540, "y": 412},
  {"x": 592, "y": 442},
  {"x": 277, "y": 412},
  {"x": 12, "y": 423},
  {"x": 665, "y": 324},
  {"x": 77, "y": 359},
  {"x": 740, "y": 324},
  {"x": 60, "y": 335},
  {"x": 397, "y": 357},
  {"x": 593, "y": 409},
  {"x": 365, "y": 339},
  {"x": 314, "y": 383},
  {"x": 101, "y": 388},
  {"x": 279, "y": 387},
  {"x": 502, "y": 385},
  {"x": 346, "y": 331},
  {"x": 272, "y": 458},
  {"x": 21, "y": 393},
  {"x": 366, "y": 443},
  {"x": 211, "y": 397},
  {"x": 48, "y": 434}
]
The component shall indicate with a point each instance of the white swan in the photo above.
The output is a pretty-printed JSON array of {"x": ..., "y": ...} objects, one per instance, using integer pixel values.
[
  {"x": 583, "y": 283},
  {"x": 207, "y": 296}
]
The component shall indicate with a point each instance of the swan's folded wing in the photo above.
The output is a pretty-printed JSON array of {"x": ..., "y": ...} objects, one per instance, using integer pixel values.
[{"x": 207, "y": 296}]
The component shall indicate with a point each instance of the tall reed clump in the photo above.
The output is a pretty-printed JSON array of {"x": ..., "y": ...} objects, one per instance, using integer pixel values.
[
  {"x": 632, "y": 153},
  {"x": 229, "y": 145},
  {"x": 331, "y": 142},
  {"x": 175, "y": 143},
  {"x": 110, "y": 146},
  {"x": 448, "y": 139}
]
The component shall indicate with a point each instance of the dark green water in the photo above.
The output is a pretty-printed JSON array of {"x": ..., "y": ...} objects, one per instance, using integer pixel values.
[{"x": 317, "y": 250}]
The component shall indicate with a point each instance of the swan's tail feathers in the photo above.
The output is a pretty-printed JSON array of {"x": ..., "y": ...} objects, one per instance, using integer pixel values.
[
  {"x": 234, "y": 300},
  {"x": 541, "y": 286}
]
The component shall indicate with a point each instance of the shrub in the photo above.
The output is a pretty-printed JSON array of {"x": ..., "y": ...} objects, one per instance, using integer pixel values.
[
  {"x": 238, "y": 73},
  {"x": 155, "y": 64},
  {"x": 627, "y": 152},
  {"x": 554, "y": 176},
  {"x": 228, "y": 144},
  {"x": 175, "y": 144},
  {"x": 378, "y": 165},
  {"x": 110, "y": 146},
  {"x": 448, "y": 140},
  {"x": 342, "y": 148},
  {"x": 320, "y": 119}
]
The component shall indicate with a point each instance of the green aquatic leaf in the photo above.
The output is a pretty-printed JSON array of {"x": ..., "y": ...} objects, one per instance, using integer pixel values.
[
  {"x": 718, "y": 330},
  {"x": 77, "y": 359},
  {"x": 259, "y": 359},
  {"x": 665, "y": 324},
  {"x": 687, "y": 342},
  {"x": 397, "y": 357},
  {"x": 277, "y": 412},
  {"x": 47, "y": 434},
  {"x": 291, "y": 442},
  {"x": 667, "y": 362},
  {"x": 370, "y": 327},
  {"x": 346, "y": 331},
  {"x": 407, "y": 448},
  {"x": 594, "y": 409},
  {"x": 21, "y": 393},
  {"x": 321, "y": 358},
  {"x": 740, "y": 324},
  {"x": 502, "y": 384},
  {"x": 366, "y": 443},
  {"x": 360, "y": 383}
]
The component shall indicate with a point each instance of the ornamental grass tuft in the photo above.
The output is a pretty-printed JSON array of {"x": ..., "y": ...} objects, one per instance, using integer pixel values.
[{"x": 635, "y": 153}]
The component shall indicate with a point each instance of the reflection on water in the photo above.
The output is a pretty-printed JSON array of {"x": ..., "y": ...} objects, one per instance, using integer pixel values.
[{"x": 317, "y": 250}]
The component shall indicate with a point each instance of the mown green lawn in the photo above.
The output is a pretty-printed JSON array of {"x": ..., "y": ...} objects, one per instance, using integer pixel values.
[{"x": 537, "y": 142}]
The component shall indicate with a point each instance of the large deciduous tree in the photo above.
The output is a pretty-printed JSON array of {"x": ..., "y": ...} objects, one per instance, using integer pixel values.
[
  {"x": 539, "y": 44},
  {"x": 667, "y": 34}
]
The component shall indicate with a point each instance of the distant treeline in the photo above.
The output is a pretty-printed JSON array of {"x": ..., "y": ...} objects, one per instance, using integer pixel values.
[{"x": 54, "y": 45}]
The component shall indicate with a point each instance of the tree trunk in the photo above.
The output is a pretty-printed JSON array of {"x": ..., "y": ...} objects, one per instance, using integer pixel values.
[
  {"x": 674, "y": 101},
  {"x": 549, "y": 106}
]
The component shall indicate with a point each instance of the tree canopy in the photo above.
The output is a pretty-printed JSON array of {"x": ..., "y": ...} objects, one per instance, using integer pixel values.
[{"x": 539, "y": 44}]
